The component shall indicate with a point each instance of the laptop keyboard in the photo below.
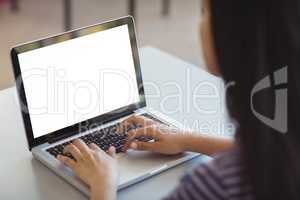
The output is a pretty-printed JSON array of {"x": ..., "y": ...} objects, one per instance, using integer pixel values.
[{"x": 104, "y": 138}]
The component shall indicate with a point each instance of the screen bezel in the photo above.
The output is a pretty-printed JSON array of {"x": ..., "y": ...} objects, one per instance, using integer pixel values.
[{"x": 74, "y": 129}]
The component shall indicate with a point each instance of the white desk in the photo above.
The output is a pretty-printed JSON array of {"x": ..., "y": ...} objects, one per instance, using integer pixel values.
[{"x": 22, "y": 177}]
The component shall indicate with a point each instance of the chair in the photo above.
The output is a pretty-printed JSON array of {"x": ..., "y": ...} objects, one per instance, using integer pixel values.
[
  {"x": 131, "y": 10},
  {"x": 132, "y": 7},
  {"x": 14, "y": 4}
]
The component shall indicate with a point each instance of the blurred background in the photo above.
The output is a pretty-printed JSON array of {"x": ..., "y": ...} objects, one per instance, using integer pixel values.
[{"x": 170, "y": 25}]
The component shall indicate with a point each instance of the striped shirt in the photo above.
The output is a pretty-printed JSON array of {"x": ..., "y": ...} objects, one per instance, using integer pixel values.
[{"x": 219, "y": 179}]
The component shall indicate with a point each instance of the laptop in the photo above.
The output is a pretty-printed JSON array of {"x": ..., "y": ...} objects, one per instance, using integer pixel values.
[{"x": 82, "y": 84}]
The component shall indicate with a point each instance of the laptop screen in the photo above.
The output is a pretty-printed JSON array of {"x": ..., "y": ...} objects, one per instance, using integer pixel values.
[{"x": 78, "y": 79}]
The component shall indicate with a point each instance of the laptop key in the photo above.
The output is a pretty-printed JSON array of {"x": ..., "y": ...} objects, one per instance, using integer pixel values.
[{"x": 104, "y": 138}]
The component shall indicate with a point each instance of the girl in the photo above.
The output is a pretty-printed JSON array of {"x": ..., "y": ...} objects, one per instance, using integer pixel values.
[{"x": 243, "y": 41}]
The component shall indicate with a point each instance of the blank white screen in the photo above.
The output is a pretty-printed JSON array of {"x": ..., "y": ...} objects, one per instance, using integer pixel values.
[{"x": 79, "y": 79}]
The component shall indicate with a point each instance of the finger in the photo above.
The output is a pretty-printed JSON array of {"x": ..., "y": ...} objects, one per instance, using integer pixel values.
[
  {"x": 67, "y": 161},
  {"x": 112, "y": 151},
  {"x": 143, "y": 146},
  {"x": 74, "y": 151},
  {"x": 123, "y": 126},
  {"x": 83, "y": 148},
  {"x": 145, "y": 131},
  {"x": 138, "y": 120},
  {"x": 94, "y": 147}
]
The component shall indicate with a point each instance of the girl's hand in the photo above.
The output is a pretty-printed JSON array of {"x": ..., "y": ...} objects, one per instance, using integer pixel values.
[
  {"x": 94, "y": 167},
  {"x": 167, "y": 140}
]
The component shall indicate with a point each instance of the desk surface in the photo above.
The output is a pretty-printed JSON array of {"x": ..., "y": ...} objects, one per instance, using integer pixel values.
[{"x": 168, "y": 86}]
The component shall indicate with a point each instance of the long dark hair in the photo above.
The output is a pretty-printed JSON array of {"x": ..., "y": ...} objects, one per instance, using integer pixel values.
[{"x": 253, "y": 39}]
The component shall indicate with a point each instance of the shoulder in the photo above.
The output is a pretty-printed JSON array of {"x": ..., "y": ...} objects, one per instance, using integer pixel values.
[{"x": 222, "y": 178}]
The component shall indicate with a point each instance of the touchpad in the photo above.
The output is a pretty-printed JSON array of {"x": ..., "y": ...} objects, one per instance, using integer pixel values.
[{"x": 136, "y": 164}]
